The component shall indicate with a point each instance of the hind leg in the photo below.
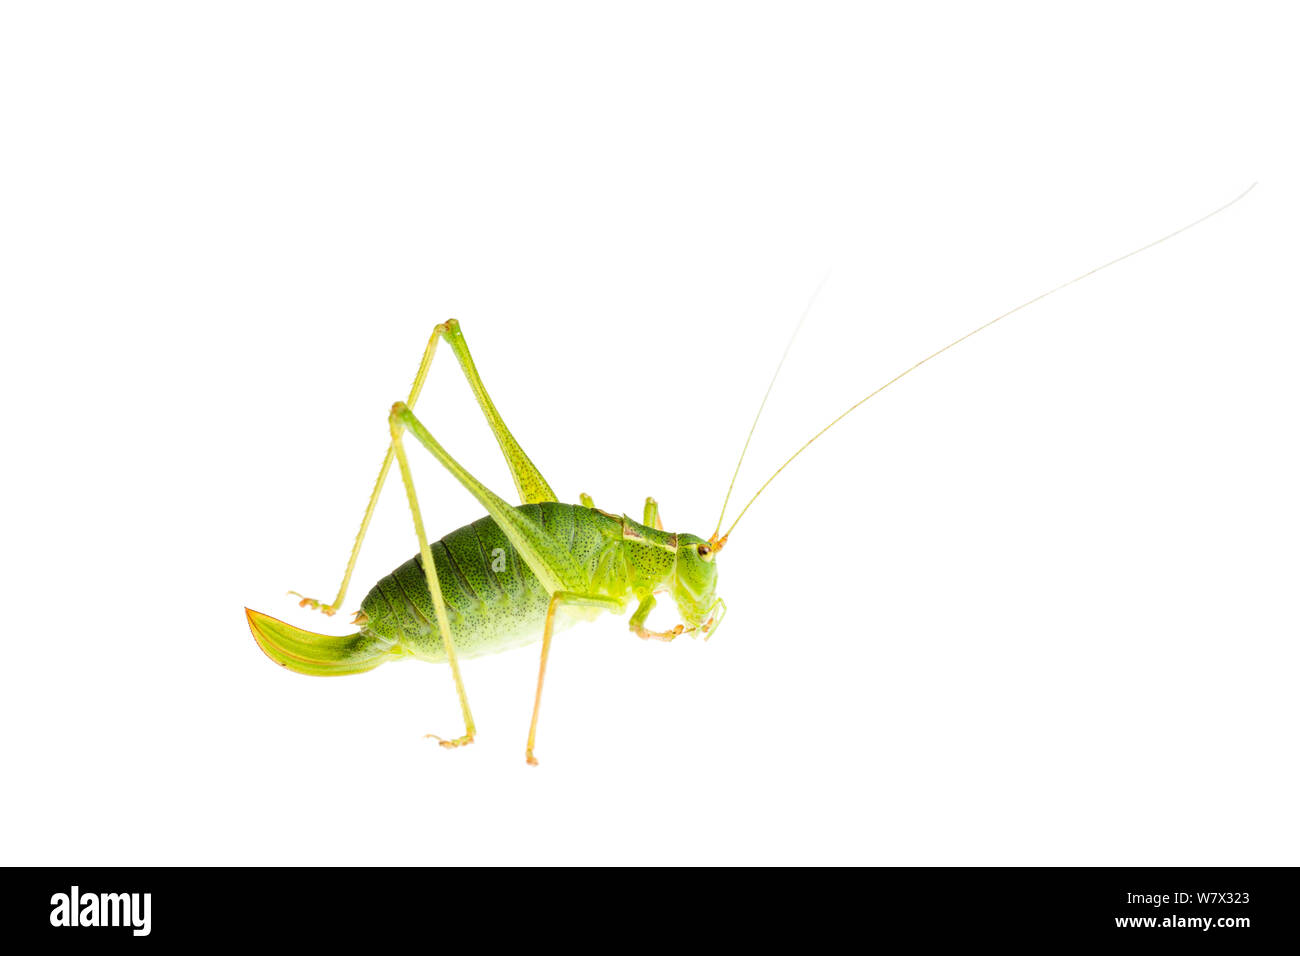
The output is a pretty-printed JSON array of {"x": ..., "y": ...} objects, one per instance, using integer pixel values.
[{"x": 532, "y": 487}]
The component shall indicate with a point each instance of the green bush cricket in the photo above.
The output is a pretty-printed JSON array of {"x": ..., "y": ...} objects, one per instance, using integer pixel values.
[{"x": 500, "y": 582}]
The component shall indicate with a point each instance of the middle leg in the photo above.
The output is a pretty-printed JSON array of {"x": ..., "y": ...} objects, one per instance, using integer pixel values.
[{"x": 557, "y": 599}]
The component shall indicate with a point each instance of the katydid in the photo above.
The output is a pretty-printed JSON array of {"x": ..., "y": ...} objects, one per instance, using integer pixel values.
[{"x": 500, "y": 582}]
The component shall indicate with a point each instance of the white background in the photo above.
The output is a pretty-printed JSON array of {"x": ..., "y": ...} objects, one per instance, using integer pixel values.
[{"x": 1035, "y": 604}]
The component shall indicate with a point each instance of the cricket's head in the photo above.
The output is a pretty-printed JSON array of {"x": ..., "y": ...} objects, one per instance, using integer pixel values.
[{"x": 695, "y": 584}]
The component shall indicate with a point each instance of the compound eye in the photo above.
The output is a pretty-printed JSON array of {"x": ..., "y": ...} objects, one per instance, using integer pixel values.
[{"x": 703, "y": 551}]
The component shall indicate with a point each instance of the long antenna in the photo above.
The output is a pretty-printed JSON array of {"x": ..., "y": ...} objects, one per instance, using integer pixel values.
[
  {"x": 718, "y": 542},
  {"x": 763, "y": 403}
]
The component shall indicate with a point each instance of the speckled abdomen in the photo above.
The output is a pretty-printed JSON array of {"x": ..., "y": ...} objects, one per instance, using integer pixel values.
[{"x": 494, "y": 602}]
